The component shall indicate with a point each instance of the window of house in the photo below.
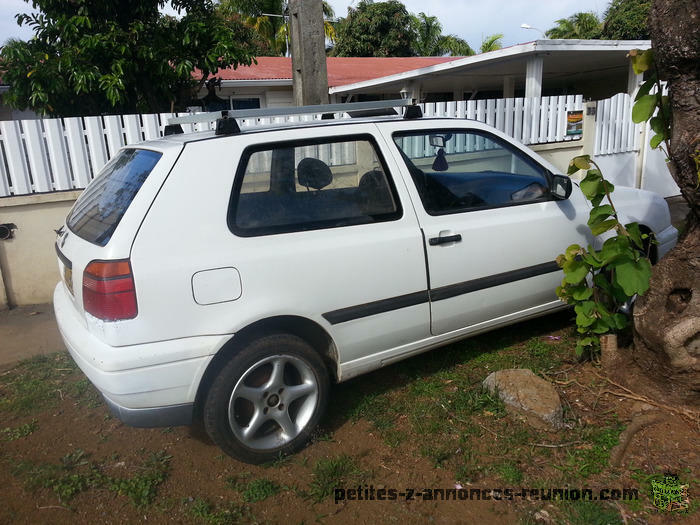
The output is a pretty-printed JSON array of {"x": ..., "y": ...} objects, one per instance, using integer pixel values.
[
  {"x": 457, "y": 170},
  {"x": 245, "y": 103},
  {"x": 297, "y": 186}
]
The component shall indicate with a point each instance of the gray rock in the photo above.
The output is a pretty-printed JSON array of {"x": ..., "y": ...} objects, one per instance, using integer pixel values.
[{"x": 528, "y": 396}]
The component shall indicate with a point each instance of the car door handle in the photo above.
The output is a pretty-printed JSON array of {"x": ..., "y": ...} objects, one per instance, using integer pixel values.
[{"x": 434, "y": 241}]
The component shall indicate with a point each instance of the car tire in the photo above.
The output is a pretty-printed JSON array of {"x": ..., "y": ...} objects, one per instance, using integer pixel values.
[{"x": 268, "y": 399}]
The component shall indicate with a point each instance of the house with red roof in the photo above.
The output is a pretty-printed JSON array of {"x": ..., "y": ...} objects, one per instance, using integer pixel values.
[
  {"x": 269, "y": 82},
  {"x": 596, "y": 69}
]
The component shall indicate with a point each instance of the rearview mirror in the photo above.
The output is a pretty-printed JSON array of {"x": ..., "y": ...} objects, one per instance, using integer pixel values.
[
  {"x": 437, "y": 141},
  {"x": 560, "y": 187}
]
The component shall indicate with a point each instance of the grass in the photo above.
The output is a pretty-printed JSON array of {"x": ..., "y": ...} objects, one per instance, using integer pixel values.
[
  {"x": 76, "y": 473},
  {"x": 230, "y": 514},
  {"x": 142, "y": 488},
  {"x": 259, "y": 490},
  {"x": 592, "y": 457},
  {"x": 35, "y": 383},
  {"x": 24, "y": 430},
  {"x": 510, "y": 473},
  {"x": 589, "y": 513},
  {"x": 331, "y": 473}
]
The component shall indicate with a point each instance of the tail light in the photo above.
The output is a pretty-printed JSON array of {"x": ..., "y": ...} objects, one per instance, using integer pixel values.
[{"x": 108, "y": 290}]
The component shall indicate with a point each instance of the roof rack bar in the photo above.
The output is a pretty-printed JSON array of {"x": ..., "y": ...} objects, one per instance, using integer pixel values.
[{"x": 293, "y": 110}]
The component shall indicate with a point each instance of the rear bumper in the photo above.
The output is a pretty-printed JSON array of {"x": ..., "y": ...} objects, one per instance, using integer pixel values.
[
  {"x": 170, "y": 416},
  {"x": 152, "y": 384}
]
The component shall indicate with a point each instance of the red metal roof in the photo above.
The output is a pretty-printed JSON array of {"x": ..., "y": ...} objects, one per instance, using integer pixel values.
[{"x": 341, "y": 70}]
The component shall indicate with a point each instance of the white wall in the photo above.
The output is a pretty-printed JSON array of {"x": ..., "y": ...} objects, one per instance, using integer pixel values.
[{"x": 28, "y": 261}]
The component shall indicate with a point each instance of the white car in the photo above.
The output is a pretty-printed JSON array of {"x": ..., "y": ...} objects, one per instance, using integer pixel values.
[{"x": 232, "y": 276}]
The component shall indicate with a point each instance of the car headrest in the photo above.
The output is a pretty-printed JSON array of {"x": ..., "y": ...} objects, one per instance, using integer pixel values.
[
  {"x": 375, "y": 193},
  {"x": 314, "y": 173}
]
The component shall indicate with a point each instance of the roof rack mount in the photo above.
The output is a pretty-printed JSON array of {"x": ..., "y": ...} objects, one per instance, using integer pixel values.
[{"x": 293, "y": 110}]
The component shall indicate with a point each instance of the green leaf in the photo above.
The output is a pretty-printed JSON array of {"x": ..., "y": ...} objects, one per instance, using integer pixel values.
[
  {"x": 657, "y": 124},
  {"x": 574, "y": 271},
  {"x": 613, "y": 250},
  {"x": 582, "y": 293},
  {"x": 646, "y": 87},
  {"x": 644, "y": 108},
  {"x": 641, "y": 60},
  {"x": 582, "y": 162},
  {"x": 585, "y": 314},
  {"x": 633, "y": 276},
  {"x": 591, "y": 188},
  {"x": 656, "y": 140},
  {"x": 599, "y": 214},
  {"x": 620, "y": 321},
  {"x": 635, "y": 234},
  {"x": 603, "y": 226},
  {"x": 591, "y": 259},
  {"x": 572, "y": 251}
]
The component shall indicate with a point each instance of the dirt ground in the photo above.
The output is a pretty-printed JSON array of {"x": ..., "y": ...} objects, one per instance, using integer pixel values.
[{"x": 423, "y": 423}]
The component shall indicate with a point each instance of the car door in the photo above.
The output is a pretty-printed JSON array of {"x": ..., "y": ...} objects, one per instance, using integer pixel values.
[{"x": 491, "y": 228}]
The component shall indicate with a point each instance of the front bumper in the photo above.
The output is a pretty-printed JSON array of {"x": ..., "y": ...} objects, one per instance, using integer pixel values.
[
  {"x": 140, "y": 384},
  {"x": 666, "y": 240}
]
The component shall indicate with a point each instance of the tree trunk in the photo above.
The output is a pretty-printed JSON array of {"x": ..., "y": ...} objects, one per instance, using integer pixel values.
[{"x": 667, "y": 318}]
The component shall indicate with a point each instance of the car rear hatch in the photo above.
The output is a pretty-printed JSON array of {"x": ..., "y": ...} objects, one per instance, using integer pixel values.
[{"x": 103, "y": 222}]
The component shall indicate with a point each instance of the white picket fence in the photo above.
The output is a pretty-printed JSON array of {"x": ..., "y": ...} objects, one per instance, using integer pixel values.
[
  {"x": 45, "y": 155},
  {"x": 615, "y": 131}
]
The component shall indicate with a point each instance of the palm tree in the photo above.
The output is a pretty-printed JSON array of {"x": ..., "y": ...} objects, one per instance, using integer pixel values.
[
  {"x": 491, "y": 43},
  {"x": 273, "y": 29},
  {"x": 431, "y": 41},
  {"x": 583, "y": 26}
]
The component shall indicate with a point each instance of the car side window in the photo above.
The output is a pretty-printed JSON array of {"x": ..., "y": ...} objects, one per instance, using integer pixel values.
[
  {"x": 459, "y": 170},
  {"x": 295, "y": 186}
]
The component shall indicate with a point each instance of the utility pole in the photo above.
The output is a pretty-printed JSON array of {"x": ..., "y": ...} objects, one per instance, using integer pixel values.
[{"x": 308, "y": 41}]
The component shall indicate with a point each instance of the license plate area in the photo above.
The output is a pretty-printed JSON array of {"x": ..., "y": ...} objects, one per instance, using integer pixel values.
[
  {"x": 67, "y": 270},
  {"x": 68, "y": 278}
]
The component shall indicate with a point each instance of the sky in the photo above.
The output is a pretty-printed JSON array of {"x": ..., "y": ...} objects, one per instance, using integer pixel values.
[{"x": 468, "y": 19}]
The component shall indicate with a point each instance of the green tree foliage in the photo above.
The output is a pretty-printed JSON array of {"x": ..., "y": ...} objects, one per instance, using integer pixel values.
[
  {"x": 90, "y": 56},
  {"x": 491, "y": 43},
  {"x": 431, "y": 42},
  {"x": 627, "y": 20},
  {"x": 382, "y": 29},
  {"x": 583, "y": 26},
  {"x": 273, "y": 30}
]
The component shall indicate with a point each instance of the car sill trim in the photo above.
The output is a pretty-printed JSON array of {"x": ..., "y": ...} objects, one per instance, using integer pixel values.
[{"x": 438, "y": 294}]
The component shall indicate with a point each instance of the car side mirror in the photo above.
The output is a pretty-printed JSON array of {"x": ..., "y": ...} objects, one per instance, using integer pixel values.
[{"x": 560, "y": 187}]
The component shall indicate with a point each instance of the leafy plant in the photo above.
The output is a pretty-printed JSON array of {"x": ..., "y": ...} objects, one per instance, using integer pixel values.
[
  {"x": 599, "y": 282},
  {"x": 650, "y": 104}
]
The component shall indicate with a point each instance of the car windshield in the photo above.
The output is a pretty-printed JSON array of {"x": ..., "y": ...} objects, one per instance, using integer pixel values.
[{"x": 102, "y": 205}]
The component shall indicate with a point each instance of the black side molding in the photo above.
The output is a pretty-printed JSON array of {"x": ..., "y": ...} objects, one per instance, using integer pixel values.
[
  {"x": 453, "y": 290},
  {"x": 438, "y": 294},
  {"x": 376, "y": 307}
]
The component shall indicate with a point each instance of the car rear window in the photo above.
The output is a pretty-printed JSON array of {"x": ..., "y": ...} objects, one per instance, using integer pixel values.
[{"x": 102, "y": 205}]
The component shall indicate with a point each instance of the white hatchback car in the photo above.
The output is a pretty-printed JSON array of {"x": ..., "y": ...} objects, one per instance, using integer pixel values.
[{"x": 233, "y": 275}]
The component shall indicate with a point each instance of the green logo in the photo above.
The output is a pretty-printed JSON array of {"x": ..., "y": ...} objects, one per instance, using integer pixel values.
[{"x": 670, "y": 494}]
